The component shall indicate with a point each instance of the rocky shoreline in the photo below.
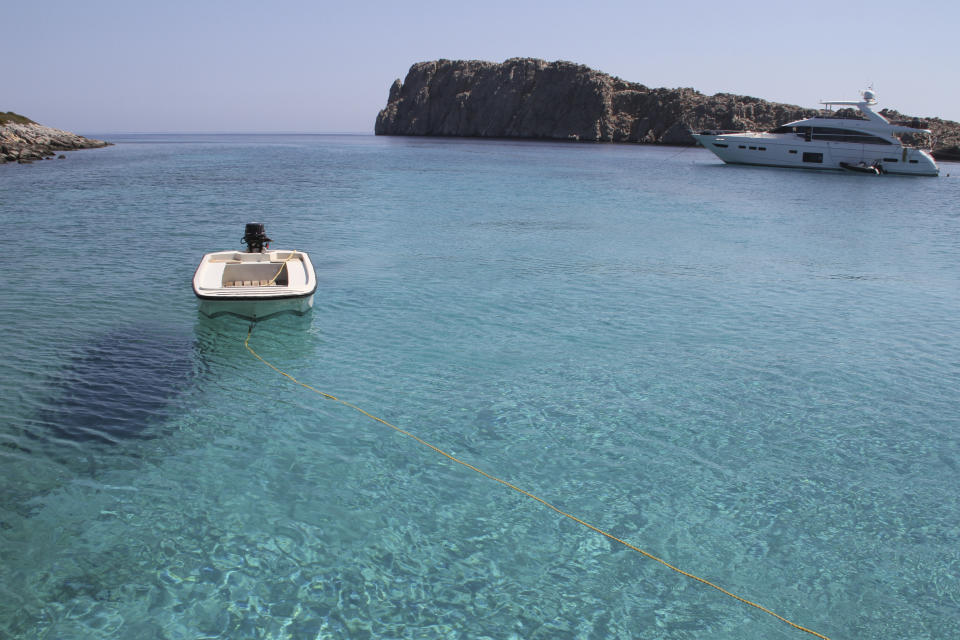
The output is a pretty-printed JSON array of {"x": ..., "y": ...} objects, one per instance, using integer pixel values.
[
  {"x": 25, "y": 141},
  {"x": 535, "y": 99}
]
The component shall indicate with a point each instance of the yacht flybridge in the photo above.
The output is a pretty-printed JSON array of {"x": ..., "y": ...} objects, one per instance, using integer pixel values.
[
  {"x": 255, "y": 283},
  {"x": 867, "y": 146}
]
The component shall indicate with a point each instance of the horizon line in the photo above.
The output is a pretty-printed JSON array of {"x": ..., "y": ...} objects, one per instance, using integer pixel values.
[{"x": 255, "y": 133}]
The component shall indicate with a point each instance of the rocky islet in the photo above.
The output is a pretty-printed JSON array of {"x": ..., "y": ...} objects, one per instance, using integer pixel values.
[
  {"x": 535, "y": 99},
  {"x": 24, "y": 141}
]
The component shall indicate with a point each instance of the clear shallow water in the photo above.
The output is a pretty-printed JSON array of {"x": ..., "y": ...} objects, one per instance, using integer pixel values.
[{"x": 751, "y": 373}]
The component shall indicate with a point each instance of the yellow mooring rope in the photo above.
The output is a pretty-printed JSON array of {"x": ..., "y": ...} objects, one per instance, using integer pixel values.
[
  {"x": 277, "y": 275},
  {"x": 246, "y": 343}
]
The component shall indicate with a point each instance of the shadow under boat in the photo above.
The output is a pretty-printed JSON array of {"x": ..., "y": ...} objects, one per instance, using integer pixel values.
[{"x": 119, "y": 387}]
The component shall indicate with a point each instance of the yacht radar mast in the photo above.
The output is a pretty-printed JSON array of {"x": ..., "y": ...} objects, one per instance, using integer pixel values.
[{"x": 868, "y": 98}]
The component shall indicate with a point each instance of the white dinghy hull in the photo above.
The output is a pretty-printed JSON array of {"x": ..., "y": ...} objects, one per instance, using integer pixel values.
[{"x": 255, "y": 285}]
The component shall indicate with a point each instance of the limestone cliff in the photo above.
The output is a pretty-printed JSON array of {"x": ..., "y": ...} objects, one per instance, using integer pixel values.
[
  {"x": 23, "y": 140},
  {"x": 528, "y": 98}
]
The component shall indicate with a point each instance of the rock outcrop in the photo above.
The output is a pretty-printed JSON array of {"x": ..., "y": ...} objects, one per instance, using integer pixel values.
[
  {"x": 23, "y": 140},
  {"x": 944, "y": 134},
  {"x": 528, "y": 98}
]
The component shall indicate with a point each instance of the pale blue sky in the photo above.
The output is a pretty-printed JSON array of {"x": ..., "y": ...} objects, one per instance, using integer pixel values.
[{"x": 107, "y": 66}]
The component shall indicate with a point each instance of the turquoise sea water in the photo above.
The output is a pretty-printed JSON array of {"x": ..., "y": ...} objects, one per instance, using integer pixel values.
[{"x": 751, "y": 373}]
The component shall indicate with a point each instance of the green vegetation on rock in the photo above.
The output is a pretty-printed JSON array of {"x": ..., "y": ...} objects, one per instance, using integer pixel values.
[{"x": 16, "y": 118}]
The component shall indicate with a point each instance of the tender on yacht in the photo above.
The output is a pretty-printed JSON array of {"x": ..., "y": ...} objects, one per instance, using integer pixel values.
[
  {"x": 257, "y": 282},
  {"x": 867, "y": 146}
]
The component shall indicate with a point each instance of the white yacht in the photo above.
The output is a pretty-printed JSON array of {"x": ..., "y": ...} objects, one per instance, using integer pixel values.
[{"x": 868, "y": 146}]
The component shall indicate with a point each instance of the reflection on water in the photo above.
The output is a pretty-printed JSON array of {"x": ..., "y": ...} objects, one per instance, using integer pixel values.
[{"x": 215, "y": 335}]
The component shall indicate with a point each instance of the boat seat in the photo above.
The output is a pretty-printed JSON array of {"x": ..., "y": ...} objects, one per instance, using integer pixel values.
[{"x": 247, "y": 283}]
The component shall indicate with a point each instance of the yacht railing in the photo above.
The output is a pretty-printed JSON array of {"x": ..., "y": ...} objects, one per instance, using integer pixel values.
[{"x": 721, "y": 132}]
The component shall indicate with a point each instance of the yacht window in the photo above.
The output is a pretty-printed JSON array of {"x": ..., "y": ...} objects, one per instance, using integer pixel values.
[
  {"x": 743, "y": 146},
  {"x": 913, "y": 162},
  {"x": 846, "y": 135},
  {"x": 753, "y": 148},
  {"x": 890, "y": 160},
  {"x": 834, "y": 130},
  {"x": 762, "y": 148},
  {"x": 720, "y": 144},
  {"x": 783, "y": 130},
  {"x": 793, "y": 150},
  {"x": 813, "y": 157}
]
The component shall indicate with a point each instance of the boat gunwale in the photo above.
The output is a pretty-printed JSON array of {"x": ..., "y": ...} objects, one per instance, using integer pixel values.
[{"x": 226, "y": 294}]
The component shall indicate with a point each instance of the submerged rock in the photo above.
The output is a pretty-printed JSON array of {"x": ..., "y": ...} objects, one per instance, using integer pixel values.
[{"x": 529, "y": 98}]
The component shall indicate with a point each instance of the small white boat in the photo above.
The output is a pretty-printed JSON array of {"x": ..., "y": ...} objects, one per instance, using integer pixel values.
[{"x": 255, "y": 283}]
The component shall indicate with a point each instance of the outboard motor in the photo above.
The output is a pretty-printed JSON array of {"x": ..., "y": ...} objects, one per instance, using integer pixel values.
[{"x": 255, "y": 237}]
